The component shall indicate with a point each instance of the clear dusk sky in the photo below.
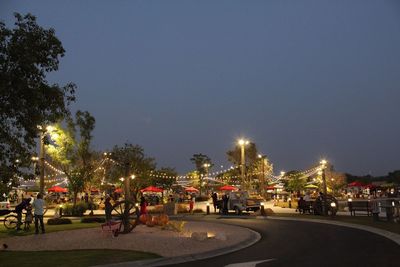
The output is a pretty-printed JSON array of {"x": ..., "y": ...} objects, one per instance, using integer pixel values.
[{"x": 302, "y": 79}]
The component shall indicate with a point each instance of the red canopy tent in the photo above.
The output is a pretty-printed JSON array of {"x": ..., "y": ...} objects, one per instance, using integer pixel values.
[
  {"x": 228, "y": 188},
  {"x": 57, "y": 189},
  {"x": 270, "y": 187},
  {"x": 118, "y": 190},
  {"x": 191, "y": 189},
  {"x": 152, "y": 189},
  {"x": 355, "y": 184}
]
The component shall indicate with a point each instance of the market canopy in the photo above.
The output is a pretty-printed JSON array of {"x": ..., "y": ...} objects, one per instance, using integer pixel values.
[
  {"x": 118, "y": 190},
  {"x": 57, "y": 189},
  {"x": 152, "y": 189},
  {"x": 191, "y": 189},
  {"x": 355, "y": 184},
  {"x": 228, "y": 188},
  {"x": 311, "y": 186}
]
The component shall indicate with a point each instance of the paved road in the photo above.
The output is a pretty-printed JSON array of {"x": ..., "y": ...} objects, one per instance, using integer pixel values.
[{"x": 307, "y": 244}]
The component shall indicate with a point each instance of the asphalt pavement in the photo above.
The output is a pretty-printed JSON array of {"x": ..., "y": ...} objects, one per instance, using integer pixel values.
[{"x": 294, "y": 243}]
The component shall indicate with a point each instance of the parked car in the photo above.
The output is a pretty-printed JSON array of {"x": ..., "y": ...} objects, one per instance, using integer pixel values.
[{"x": 240, "y": 201}]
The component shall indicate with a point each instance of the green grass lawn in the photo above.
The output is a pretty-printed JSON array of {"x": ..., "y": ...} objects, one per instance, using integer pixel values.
[
  {"x": 4, "y": 232},
  {"x": 76, "y": 258},
  {"x": 363, "y": 220}
]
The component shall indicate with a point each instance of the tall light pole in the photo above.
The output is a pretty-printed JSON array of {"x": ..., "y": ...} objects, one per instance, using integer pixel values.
[
  {"x": 262, "y": 181},
  {"x": 41, "y": 158},
  {"x": 207, "y": 166},
  {"x": 242, "y": 144},
  {"x": 323, "y": 163}
]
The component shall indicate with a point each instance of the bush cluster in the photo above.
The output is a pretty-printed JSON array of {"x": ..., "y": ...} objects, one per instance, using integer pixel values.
[
  {"x": 93, "y": 219},
  {"x": 79, "y": 209},
  {"x": 57, "y": 221}
]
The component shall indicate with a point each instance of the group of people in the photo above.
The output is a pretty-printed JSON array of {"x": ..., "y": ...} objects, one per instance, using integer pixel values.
[{"x": 38, "y": 208}]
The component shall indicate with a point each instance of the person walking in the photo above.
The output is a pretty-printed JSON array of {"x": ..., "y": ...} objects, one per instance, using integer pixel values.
[{"x": 38, "y": 206}]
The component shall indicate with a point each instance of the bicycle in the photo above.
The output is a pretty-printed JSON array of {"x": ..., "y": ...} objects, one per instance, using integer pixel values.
[{"x": 11, "y": 221}]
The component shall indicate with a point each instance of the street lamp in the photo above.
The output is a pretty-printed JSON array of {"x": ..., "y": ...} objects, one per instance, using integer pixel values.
[
  {"x": 242, "y": 143},
  {"x": 262, "y": 158},
  {"x": 43, "y": 131},
  {"x": 207, "y": 166},
  {"x": 323, "y": 163}
]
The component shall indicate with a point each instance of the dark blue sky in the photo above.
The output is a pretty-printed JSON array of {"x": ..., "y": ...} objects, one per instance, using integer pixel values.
[{"x": 301, "y": 79}]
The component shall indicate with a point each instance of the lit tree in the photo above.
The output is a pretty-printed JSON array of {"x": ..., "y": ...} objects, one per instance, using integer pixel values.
[
  {"x": 72, "y": 152},
  {"x": 200, "y": 160}
]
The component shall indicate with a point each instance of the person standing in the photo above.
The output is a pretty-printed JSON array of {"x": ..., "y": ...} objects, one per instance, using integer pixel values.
[
  {"x": 108, "y": 208},
  {"x": 38, "y": 206},
  {"x": 143, "y": 205},
  {"x": 19, "y": 208},
  {"x": 214, "y": 197}
]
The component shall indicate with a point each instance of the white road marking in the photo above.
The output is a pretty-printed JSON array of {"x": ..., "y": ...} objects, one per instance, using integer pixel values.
[{"x": 247, "y": 264}]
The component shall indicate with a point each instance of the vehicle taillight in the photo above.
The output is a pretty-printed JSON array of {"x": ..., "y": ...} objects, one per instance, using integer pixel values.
[{"x": 8, "y": 205}]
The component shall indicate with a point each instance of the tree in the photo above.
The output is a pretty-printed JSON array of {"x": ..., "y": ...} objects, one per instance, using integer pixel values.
[
  {"x": 251, "y": 158},
  {"x": 164, "y": 177},
  {"x": 28, "y": 53},
  {"x": 295, "y": 181},
  {"x": 130, "y": 160},
  {"x": 200, "y": 161},
  {"x": 73, "y": 153}
]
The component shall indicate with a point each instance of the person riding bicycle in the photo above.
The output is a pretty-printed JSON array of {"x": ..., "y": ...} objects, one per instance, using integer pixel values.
[{"x": 19, "y": 208}]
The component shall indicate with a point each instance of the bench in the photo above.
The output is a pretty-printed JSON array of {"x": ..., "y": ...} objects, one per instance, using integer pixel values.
[
  {"x": 306, "y": 206},
  {"x": 359, "y": 206}
]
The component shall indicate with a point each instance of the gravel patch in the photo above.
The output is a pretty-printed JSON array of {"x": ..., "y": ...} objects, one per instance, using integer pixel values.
[{"x": 148, "y": 239}]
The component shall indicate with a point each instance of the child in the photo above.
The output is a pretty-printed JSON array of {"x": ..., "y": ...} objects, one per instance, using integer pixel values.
[{"x": 28, "y": 217}]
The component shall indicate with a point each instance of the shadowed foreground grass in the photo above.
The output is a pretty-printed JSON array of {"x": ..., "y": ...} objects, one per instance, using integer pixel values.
[
  {"x": 76, "y": 258},
  {"x": 4, "y": 232}
]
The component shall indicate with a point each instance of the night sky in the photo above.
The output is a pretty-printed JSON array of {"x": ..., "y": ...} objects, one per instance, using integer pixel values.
[{"x": 302, "y": 79}]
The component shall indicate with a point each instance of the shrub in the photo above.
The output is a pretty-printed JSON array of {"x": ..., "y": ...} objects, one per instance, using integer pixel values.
[
  {"x": 57, "y": 221},
  {"x": 79, "y": 209},
  {"x": 93, "y": 219}
]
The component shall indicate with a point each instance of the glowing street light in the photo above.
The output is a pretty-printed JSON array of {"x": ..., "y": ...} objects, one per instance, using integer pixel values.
[
  {"x": 242, "y": 143},
  {"x": 207, "y": 166},
  {"x": 323, "y": 164},
  {"x": 43, "y": 130}
]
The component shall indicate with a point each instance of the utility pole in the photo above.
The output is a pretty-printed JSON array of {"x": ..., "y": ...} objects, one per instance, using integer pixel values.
[
  {"x": 262, "y": 180},
  {"x": 324, "y": 187},
  {"x": 242, "y": 144},
  {"x": 41, "y": 159}
]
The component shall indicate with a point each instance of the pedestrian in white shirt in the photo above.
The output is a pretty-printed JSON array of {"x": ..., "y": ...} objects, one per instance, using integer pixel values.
[{"x": 38, "y": 206}]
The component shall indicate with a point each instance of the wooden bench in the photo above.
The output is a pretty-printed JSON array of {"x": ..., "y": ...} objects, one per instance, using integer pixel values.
[
  {"x": 306, "y": 206},
  {"x": 359, "y": 206}
]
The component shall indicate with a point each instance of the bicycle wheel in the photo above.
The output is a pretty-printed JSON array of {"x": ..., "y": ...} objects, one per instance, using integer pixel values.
[{"x": 10, "y": 222}]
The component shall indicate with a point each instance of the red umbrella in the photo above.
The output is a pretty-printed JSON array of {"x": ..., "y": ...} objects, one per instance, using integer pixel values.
[
  {"x": 118, "y": 190},
  {"x": 355, "y": 184},
  {"x": 151, "y": 189},
  {"x": 228, "y": 188},
  {"x": 191, "y": 189},
  {"x": 57, "y": 189},
  {"x": 270, "y": 187}
]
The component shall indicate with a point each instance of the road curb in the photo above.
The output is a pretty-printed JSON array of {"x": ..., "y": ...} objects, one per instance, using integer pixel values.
[
  {"x": 390, "y": 235},
  {"x": 254, "y": 238}
]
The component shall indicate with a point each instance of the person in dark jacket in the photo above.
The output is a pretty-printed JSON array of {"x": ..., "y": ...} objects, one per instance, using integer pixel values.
[
  {"x": 108, "y": 208},
  {"x": 19, "y": 208}
]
